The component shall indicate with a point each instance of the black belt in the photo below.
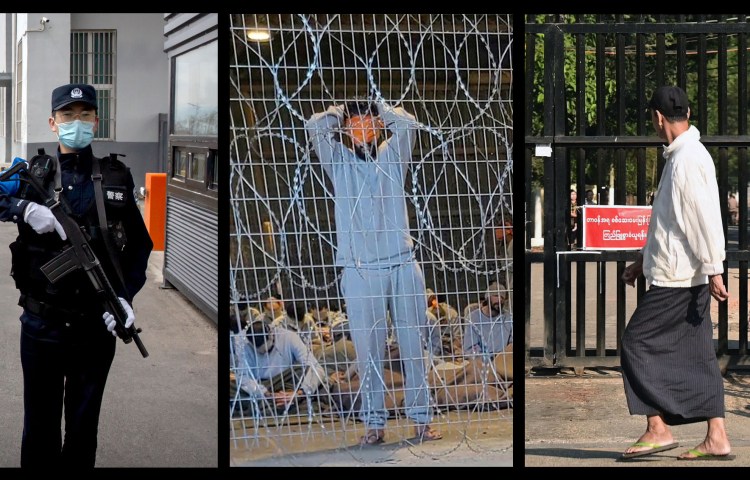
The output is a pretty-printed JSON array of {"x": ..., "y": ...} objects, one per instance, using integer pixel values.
[{"x": 48, "y": 311}]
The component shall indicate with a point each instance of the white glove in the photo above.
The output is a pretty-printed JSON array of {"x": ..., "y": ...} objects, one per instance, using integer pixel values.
[
  {"x": 42, "y": 220},
  {"x": 110, "y": 321}
]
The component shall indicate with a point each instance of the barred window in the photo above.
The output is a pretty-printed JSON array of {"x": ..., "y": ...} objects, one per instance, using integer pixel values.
[{"x": 92, "y": 61}]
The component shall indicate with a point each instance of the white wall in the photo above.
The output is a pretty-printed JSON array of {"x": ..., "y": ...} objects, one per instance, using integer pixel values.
[
  {"x": 142, "y": 71},
  {"x": 45, "y": 66}
]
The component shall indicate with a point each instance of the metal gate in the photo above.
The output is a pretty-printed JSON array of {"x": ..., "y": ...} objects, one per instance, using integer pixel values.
[{"x": 588, "y": 80}]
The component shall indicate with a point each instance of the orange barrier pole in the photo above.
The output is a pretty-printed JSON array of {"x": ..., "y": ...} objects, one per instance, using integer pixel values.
[{"x": 155, "y": 208}]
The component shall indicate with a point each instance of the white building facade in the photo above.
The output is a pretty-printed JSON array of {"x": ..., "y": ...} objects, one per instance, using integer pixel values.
[{"x": 122, "y": 55}]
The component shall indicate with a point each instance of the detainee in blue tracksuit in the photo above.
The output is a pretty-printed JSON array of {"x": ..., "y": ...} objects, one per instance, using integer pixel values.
[
  {"x": 285, "y": 352},
  {"x": 375, "y": 249}
]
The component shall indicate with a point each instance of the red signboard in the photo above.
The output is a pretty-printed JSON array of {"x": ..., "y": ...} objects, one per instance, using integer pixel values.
[{"x": 615, "y": 227}]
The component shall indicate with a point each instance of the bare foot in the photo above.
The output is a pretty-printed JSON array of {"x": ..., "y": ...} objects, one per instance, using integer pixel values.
[
  {"x": 709, "y": 447},
  {"x": 716, "y": 442},
  {"x": 651, "y": 440},
  {"x": 373, "y": 436},
  {"x": 426, "y": 433}
]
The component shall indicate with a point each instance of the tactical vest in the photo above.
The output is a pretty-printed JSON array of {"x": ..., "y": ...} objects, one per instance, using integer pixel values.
[{"x": 32, "y": 250}]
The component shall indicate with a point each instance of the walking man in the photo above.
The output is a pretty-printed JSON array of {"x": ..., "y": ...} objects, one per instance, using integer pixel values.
[{"x": 670, "y": 371}]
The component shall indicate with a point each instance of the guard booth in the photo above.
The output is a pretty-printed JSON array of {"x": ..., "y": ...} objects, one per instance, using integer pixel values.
[
  {"x": 191, "y": 237},
  {"x": 588, "y": 81}
]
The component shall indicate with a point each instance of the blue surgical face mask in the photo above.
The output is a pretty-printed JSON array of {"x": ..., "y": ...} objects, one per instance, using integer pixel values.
[{"x": 75, "y": 134}]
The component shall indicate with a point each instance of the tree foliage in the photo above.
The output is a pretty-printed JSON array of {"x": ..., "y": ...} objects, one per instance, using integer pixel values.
[{"x": 601, "y": 92}]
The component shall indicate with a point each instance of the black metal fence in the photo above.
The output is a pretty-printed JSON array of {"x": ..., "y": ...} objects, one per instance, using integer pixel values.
[{"x": 588, "y": 80}]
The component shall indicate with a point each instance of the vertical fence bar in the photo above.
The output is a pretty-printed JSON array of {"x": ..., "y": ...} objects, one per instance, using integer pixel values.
[
  {"x": 601, "y": 171},
  {"x": 702, "y": 108},
  {"x": 580, "y": 39},
  {"x": 723, "y": 343},
  {"x": 660, "y": 64},
  {"x": 561, "y": 175},
  {"x": 530, "y": 63},
  {"x": 681, "y": 56},
  {"x": 621, "y": 171},
  {"x": 553, "y": 219},
  {"x": 742, "y": 93}
]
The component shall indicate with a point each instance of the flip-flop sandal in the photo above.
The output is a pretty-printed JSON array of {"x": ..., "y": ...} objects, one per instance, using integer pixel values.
[
  {"x": 653, "y": 448},
  {"x": 372, "y": 437},
  {"x": 698, "y": 455}
]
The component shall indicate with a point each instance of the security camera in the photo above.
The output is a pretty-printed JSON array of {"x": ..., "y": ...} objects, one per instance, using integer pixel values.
[{"x": 45, "y": 20}]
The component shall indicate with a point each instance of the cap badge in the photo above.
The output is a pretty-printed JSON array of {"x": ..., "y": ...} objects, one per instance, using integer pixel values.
[{"x": 76, "y": 93}]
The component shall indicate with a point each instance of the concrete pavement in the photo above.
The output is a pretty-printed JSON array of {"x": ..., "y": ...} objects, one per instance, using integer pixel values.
[
  {"x": 583, "y": 421},
  {"x": 160, "y": 411}
]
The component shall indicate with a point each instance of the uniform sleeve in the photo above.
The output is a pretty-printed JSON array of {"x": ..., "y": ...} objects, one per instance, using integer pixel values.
[
  {"x": 134, "y": 257},
  {"x": 698, "y": 214},
  {"x": 314, "y": 373}
]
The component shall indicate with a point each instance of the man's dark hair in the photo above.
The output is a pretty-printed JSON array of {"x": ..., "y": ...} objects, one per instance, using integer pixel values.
[
  {"x": 296, "y": 311},
  {"x": 238, "y": 323},
  {"x": 360, "y": 107},
  {"x": 257, "y": 333},
  {"x": 676, "y": 118}
]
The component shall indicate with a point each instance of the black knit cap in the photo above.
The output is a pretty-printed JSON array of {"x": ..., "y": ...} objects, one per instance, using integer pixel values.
[
  {"x": 361, "y": 107},
  {"x": 670, "y": 101}
]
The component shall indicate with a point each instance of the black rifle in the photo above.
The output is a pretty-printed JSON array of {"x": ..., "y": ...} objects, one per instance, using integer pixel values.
[{"x": 78, "y": 254}]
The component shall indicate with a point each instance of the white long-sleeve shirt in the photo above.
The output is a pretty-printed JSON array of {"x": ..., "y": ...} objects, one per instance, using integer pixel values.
[
  {"x": 685, "y": 241},
  {"x": 372, "y": 225},
  {"x": 288, "y": 352}
]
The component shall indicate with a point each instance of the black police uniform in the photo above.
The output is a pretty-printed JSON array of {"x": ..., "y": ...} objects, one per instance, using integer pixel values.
[{"x": 66, "y": 350}]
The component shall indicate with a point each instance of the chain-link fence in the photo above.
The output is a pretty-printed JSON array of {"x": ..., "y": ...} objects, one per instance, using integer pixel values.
[{"x": 371, "y": 278}]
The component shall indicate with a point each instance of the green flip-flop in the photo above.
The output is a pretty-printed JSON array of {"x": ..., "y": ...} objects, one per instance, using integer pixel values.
[
  {"x": 653, "y": 448},
  {"x": 698, "y": 455}
]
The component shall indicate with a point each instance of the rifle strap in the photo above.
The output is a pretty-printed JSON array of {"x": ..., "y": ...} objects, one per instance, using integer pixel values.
[
  {"x": 58, "y": 177},
  {"x": 96, "y": 176}
]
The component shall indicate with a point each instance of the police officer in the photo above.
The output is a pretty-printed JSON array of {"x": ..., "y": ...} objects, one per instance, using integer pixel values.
[{"x": 66, "y": 348}]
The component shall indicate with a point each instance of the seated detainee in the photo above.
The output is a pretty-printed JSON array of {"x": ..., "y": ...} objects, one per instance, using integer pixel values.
[
  {"x": 296, "y": 319},
  {"x": 489, "y": 329},
  {"x": 487, "y": 351},
  {"x": 321, "y": 314},
  {"x": 275, "y": 364},
  {"x": 273, "y": 308},
  {"x": 447, "y": 318},
  {"x": 485, "y": 377}
]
